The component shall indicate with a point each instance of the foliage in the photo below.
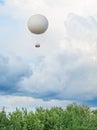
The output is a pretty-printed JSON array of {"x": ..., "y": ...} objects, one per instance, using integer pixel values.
[{"x": 74, "y": 117}]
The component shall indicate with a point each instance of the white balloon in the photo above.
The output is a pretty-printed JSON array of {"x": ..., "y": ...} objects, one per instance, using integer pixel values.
[{"x": 37, "y": 24}]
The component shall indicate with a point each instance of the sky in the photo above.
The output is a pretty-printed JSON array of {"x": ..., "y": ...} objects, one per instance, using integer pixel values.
[{"x": 63, "y": 70}]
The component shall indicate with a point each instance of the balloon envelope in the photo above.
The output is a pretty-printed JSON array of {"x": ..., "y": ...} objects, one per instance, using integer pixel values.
[{"x": 37, "y": 24}]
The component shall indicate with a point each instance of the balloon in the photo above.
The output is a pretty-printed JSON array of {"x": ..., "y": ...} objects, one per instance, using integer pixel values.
[{"x": 37, "y": 24}]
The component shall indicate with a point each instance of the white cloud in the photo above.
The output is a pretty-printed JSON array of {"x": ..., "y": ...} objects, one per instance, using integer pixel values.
[
  {"x": 70, "y": 72},
  {"x": 50, "y": 7},
  {"x": 56, "y": 13},
  {"x": 65, "y": 65},
  {"x": 12, "y": 102}
]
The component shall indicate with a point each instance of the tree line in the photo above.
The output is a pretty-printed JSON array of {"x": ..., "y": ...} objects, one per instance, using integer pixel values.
[{"x": 73, "y": 117}]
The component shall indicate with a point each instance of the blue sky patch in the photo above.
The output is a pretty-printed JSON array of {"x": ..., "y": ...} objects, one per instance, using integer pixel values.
[{"x": 1, "y": 1}]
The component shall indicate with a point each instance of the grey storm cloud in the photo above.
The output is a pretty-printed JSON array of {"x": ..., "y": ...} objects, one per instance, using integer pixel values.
[{"x": 12, "y": 71}]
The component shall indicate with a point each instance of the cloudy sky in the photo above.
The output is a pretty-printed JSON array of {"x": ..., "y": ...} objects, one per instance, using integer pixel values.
[{"x": 64, "y": 69}]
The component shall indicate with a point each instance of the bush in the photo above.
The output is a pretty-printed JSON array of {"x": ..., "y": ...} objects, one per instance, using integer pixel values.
[{"x": 74, "y": 117}]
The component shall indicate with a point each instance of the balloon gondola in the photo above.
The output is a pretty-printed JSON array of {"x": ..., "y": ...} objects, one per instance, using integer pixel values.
[{"x": 37, "y": 45}]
